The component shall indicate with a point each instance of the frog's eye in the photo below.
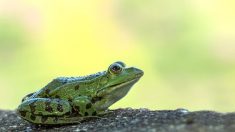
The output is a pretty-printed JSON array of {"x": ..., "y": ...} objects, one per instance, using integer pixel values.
[
  {"x": 115, "y": 68},
  {"x": 121, "y": 63}
]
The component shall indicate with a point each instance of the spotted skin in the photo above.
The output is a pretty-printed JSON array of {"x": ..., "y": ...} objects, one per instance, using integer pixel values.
[
  {"x": 76, "y": 87},
  {"x": 32, "y": 106},
  {"x": 88, "y": 106},
  {"x": 32, "y": 117},
  {"x": 57, "y": 96},
  {"x": 60, "y": 108},
  {"x": 67, "y": 100},
  {"x": 44, "y": 119},
  {"x": 94, "y": 113},
  {"x": 22, "y": 113}
]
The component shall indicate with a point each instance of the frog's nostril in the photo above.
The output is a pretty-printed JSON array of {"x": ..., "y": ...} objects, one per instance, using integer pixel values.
[{"x": 139, "y": 72}]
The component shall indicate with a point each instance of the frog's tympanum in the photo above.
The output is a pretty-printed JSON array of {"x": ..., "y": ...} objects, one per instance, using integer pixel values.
[{"x": 72, "y": 99}]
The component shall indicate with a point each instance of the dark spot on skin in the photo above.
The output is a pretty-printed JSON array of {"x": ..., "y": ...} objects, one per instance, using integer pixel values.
[
  {"x": 95, "y": 99},
  {"x": 47, "y": 91},
  {"x": 48, "y": 108},
  {"x": 60, "y": 108},
  {"x": 32, "y": 117},
  {"x": 86, "y": 114},
  {"x": 32, "y": 107},
  {"x": 88, "y": 106},
  {"x": 67, "y": 113},
  {"x": 22, "y": 113},
  {"x": 69, "y": 99},
  {"x": 55, "y": 119},
  {"x": 94, "y": 113},
  {"x": 76, "y": 87},
  {"x": 47, "y": 102},
  {"x": 77, "y": 108},
  {"x": 43, "y": 119},
  {"x": 57, "y": 96}
]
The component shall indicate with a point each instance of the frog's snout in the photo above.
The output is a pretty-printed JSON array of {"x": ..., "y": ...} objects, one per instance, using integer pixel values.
[{"x": 137, "y": 72}]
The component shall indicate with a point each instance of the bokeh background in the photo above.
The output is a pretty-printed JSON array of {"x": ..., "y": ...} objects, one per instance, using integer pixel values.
[{"x": 185, "y": 47}]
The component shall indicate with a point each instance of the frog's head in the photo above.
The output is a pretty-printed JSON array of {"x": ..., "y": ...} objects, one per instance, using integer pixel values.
[{"x": 115, "y": 84}]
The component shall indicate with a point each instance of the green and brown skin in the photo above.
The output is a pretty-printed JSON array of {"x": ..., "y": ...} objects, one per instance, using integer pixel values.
[{"x": 68, "y": 100}]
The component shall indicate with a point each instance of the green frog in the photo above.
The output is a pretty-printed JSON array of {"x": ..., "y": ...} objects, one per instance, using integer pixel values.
[{"x": 67, "y": 100}]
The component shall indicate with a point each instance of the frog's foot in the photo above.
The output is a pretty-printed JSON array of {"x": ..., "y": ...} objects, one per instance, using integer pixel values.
[
  {"x": 63, "y": 120},
  {"x": 100, "y": 114},
  {"x": 55, "y": 120},
  {"x": 105, "y": 112}
]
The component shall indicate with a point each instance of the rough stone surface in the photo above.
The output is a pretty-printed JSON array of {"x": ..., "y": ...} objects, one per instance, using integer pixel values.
[{"x": 126, "y": 120}]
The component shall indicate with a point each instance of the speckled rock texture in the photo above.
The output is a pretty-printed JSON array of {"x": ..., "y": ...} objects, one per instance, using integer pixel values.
[{"x": 136, "y": 120}]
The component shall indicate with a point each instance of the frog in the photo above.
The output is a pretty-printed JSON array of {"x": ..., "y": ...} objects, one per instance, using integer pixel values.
[{"x": 69, "y": 100}]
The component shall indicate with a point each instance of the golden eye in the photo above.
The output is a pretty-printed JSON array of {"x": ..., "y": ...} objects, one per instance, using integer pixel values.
[{"x": 115, "y": 68}]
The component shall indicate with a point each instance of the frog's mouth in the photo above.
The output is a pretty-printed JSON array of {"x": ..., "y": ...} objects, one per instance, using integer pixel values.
[
  {"x": 124, "y": 85},
  {"x": 113, "y": 93}
]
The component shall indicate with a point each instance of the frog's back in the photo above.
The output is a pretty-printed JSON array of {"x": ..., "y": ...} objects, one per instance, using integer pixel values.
[
  {"x": 64, "y": 80},
  {"x": 60, "y": 81},
  {"x": 55, "y": 83}
]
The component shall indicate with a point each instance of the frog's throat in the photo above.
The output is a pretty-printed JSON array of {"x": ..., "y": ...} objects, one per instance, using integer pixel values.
[
  {"x": 114, "y": 93},
  {"x": 129, "y": 82},
  {"x": 123, "y": 85}
]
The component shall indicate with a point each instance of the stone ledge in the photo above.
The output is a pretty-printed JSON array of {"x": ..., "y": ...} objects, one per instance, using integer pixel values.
[{"x": 142, "y": 120}]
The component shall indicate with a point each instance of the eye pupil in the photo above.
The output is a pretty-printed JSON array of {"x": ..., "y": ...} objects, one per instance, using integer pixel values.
[{"x": 116, "y": 68}]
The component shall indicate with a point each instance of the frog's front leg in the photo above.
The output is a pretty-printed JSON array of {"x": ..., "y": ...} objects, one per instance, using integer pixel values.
[
  {"x": 44, "y": 110},
  {"x": 83, "y": 106}
]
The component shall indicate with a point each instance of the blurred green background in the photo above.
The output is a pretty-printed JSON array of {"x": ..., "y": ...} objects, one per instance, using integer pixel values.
[{"x": 186, "y": 48}]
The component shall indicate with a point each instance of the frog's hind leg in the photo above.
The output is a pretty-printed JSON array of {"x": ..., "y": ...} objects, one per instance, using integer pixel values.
[
  {"x": 44, "y": 110},
  {"x": 26, "y": 97}
]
